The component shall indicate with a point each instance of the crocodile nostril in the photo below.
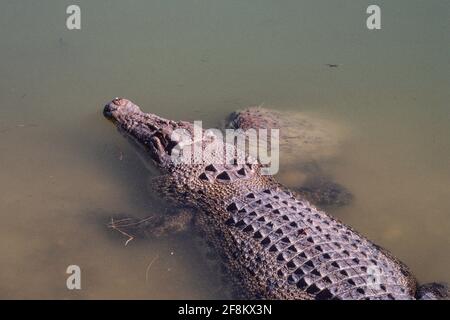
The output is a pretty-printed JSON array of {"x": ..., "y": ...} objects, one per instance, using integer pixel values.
[{"x": 107, "y": 111}]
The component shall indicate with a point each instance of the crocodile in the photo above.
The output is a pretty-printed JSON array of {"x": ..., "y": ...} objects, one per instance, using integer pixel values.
[{"x": 273, "y": 243}]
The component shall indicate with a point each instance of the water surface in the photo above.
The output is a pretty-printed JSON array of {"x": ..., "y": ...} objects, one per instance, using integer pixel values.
[{"x": 64, "y": 171}]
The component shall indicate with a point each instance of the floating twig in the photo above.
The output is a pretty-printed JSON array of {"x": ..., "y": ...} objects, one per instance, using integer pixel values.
[
  {"x": 124, "y": 223},
  {"x": 149, "y": 266},
  {"x": 114, "y": 226}
]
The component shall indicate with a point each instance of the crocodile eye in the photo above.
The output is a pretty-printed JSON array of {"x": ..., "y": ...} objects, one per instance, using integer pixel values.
[{"x": 118, "y": 101}]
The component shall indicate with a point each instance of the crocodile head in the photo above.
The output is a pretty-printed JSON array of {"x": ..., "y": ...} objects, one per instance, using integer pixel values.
[{"x": 151, "y": 134}]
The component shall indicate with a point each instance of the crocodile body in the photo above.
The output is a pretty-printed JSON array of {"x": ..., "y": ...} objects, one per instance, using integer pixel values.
[
  {"x": 278, "y": 246},
  {"x": 274, "y": 244}
]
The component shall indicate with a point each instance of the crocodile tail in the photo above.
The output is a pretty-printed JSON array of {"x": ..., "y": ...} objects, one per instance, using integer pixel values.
[{"x": 433, "y": 291}]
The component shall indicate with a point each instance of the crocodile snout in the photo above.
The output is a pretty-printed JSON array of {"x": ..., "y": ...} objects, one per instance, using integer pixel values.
[
  {"x": 108, "y": 110},
  {"x": 119, "y": 106}
]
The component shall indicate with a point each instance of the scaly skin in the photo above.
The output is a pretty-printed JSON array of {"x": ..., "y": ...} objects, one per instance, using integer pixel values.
[{"x": 274, "y": 244}]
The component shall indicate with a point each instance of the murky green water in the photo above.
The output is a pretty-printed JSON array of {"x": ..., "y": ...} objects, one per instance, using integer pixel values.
[{"x": 64, "y": 171}]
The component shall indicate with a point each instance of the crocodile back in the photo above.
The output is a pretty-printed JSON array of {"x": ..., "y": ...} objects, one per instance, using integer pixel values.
[
  {"x": 314, "y": 253},
  {"x": 276, "y": 245}
]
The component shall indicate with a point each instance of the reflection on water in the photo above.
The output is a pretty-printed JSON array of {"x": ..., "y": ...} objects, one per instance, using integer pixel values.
[{"x": 65, "y": 171}]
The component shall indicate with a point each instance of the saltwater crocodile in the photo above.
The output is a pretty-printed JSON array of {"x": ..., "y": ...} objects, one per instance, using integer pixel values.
[{"x": 274, "y": 244}]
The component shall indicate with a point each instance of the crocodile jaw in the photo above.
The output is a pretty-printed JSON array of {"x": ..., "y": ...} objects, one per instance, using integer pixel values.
[{"x": 151, "y": 134}]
